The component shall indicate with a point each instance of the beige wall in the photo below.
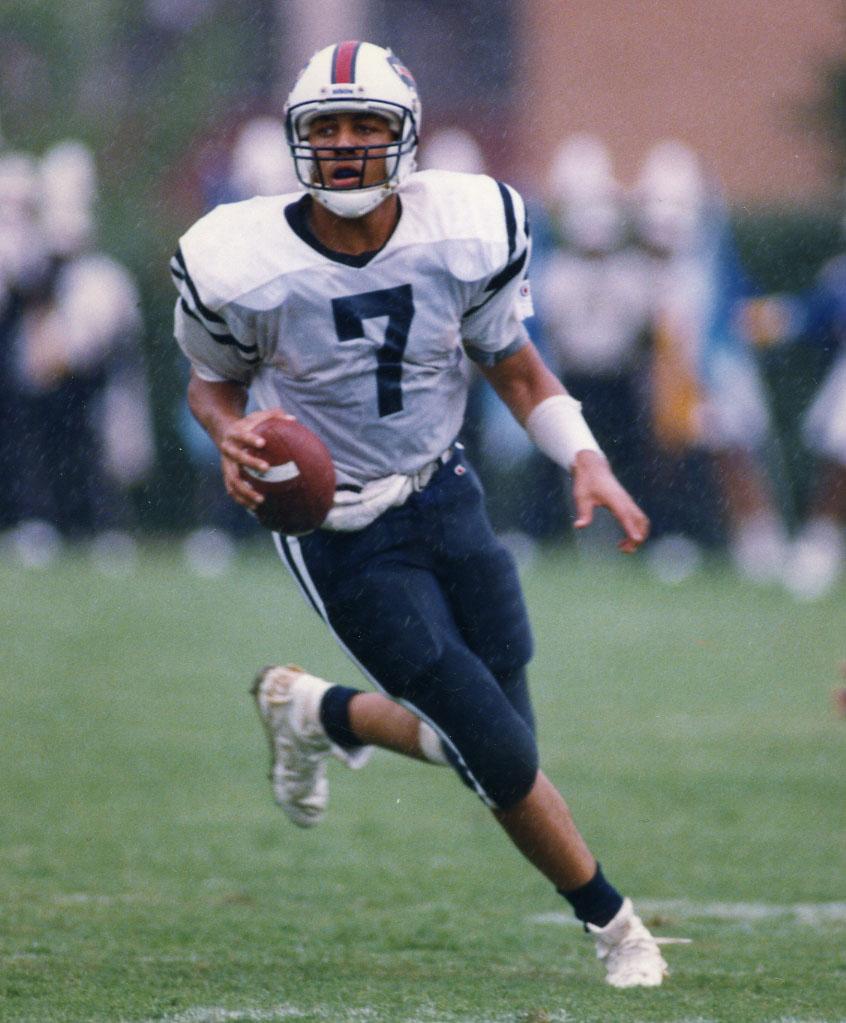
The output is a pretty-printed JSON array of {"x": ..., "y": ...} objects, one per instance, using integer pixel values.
[{"x": 727, "y": 76}]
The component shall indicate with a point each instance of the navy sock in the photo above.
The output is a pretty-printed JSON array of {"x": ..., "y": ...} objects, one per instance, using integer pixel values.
[
  {"x": 335, "y": 716},
  {"x": 596, "y": 902}
]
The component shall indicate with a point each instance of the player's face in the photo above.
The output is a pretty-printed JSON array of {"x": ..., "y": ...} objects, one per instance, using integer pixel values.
[{"x": 347, "y": 149}]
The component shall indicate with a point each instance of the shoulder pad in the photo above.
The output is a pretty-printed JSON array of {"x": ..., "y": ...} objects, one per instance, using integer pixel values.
[{"x": 224, "y": 252}]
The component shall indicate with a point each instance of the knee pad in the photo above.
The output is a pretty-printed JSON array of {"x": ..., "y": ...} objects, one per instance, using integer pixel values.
[
  {"x": 514, "y": 779},
  {"x": 476, "y": 727},
  {"x": 501, "y": 774}
]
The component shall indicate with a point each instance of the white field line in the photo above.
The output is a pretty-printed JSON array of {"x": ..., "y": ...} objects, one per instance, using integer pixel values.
[
  {"x": 214, "y": 1014},
  {"x": 217, "y": 1014},
  {"x": 810, "y": 913}
]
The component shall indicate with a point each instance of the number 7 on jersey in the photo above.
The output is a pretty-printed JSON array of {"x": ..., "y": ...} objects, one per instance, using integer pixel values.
[{"x": 397, "y": 304}]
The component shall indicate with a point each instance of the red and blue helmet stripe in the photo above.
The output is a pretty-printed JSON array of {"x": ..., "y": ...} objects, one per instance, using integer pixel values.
[{"x": 343, "y": 62}]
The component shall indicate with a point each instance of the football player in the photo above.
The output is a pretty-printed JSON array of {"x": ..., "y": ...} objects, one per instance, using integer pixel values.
[
  {"x": 591, "y": 300},
  {"x": 818, "y": 317},
  {"x": 708, "y": 405},
  {"x": 352, "y": 306}
]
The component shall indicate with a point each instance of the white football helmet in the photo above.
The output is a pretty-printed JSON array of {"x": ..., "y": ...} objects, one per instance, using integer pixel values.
[
  {"x": 21, "y": 240},
  {"x": 354, "y": 77},
  {"x": 585, "y": 192},
  {"x": 259, "y": 164},
  {"x": 68, "y": 176},
  {"x": 670, "y": 198},
  {"x": 453, "y": 149}
]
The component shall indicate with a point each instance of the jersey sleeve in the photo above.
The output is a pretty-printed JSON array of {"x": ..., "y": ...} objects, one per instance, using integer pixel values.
[
  {"x": 219, "y": 344},
  {"x": 492, "y": 326}
]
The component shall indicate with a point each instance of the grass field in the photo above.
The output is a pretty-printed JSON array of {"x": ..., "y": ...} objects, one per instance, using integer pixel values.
[{"x": 145, "y": 873}]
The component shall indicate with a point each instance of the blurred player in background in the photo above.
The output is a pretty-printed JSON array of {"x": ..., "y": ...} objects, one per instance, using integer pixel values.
[
  {"x": 592, "y": 304},
  {"x": 707, "y": 406},
  {"x": 817, "y": 317},
  {"x": 80, "y": 382},
  {"x": 818, "y": 556},
  {"x": 23, "y": 268},
  {"x": 351, "y": 307}
]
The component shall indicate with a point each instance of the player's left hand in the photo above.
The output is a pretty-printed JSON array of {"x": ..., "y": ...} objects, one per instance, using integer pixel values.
[{"x": 596, "y": 486}]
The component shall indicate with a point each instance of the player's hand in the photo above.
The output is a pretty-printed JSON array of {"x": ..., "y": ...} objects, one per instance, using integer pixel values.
[
  {"x": 596, "y": 486},
  {"x": 240, "y": 448}
]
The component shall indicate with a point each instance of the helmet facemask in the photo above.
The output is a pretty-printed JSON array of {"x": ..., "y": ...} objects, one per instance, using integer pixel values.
[
  {"x": 310, "y": 160},
  {"x": 382, "y": 88}
]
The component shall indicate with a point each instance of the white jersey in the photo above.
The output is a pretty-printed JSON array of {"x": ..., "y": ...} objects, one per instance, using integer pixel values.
[
  {"x": 366, "y": 350},
  {"x": 594, "y": 310}
]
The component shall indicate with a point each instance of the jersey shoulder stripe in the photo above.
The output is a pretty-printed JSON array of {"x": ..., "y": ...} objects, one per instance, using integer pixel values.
[
  {"x": 236, "y": 249},
  {"x": 194, "y": 307},
  {"x": 474, "y": 207},
  {"x": 249, "y": 353},
  {"x": 498, "y": 282},
  {"x": 514, "y": 266},
  {"x": 179, "y": 272},
  {"x": 510, "y": 219}
]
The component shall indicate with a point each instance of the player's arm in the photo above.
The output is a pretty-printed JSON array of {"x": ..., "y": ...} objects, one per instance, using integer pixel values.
[
  {"x": 218, "y": 406},
  {"x": 554, "y": 421},
  {"x": 223, "y": 358}
]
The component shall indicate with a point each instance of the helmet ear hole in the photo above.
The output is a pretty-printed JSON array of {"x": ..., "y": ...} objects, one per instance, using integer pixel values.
[{"x": 354, "y": 77}]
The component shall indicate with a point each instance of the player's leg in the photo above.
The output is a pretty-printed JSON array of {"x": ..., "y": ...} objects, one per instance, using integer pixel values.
[
  {"x": 377, "y": 720},
  {"x": 395, "y": 622},
  {"x": 539, "y": 824},
  {"x": 480, "y": 581},
  {"x": 755, "y": 531},
  {"x": 451, "y": 646},
  {"x": 818, "y": 554},
  {"x": 378, "y": 591},
  {"x": 535, "y": 816}
]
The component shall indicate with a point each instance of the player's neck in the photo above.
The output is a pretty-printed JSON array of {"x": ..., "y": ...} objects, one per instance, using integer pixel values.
[{"x": 354, "y": 235}]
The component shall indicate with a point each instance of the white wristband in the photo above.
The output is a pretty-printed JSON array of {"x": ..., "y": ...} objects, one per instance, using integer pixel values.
[{"x": 558, "y": 428}]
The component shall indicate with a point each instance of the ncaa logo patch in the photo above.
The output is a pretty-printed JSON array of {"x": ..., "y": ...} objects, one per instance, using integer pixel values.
[{"x": 523, "y": 302}]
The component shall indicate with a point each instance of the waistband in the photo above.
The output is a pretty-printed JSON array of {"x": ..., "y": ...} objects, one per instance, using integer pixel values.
[{"x": 419, "y": 479}]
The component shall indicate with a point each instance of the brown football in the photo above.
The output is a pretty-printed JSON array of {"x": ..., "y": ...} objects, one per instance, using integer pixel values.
[{"x": 299, "y": 486}]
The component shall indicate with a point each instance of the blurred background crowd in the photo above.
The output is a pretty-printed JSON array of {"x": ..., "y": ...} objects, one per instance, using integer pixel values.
[{"x": 684, "y": 173}]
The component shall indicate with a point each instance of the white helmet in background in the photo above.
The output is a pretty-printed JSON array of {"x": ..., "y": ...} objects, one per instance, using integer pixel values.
[
  {"x": 670, "y": 198},
  {"x": 354, "y": 77},
  {"x": 18, "y": 187},
  {"x": 20, "y": 237},
  {"x": 68, "y": 192},
  {"x": 260, "y": 164},
  {"x": 583, "y": 188},
  {"x": 453, "y": 149}
]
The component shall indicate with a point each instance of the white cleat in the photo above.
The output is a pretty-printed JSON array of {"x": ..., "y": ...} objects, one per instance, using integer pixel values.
[
  {"x": 630, "y": 953},
  {"x": 288, "y": 701}
]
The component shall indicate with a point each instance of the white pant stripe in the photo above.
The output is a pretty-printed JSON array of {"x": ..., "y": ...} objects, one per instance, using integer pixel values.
[{"x": 295, "y": 563}]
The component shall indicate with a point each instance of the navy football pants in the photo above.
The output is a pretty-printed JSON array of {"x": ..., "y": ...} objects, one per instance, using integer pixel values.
[{"x": 427, "y": 602}]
